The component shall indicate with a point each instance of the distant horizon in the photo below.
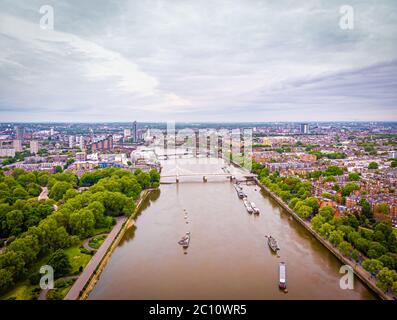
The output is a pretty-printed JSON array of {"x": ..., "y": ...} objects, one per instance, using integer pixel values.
[{"x": 197, "y": 122}]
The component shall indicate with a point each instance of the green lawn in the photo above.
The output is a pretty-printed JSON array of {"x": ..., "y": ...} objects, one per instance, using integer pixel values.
[
  {"x": 102, "y": 230},
  {"x": 77, "y": 259},
  {"x": 21, "y": 291},
  {"x": 97, "y": 241}
]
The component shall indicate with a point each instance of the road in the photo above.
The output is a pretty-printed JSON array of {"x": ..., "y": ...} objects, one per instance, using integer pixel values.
[
  {"x": 74, "y": 292},
  {"x": 44, "y": 194}
]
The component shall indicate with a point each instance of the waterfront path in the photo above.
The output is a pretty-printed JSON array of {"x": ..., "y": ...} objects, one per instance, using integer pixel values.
[
  {"x": 88, "y": 271},
  {"x": 86, "y": 243},
  {"x": 44, "y": 194}
]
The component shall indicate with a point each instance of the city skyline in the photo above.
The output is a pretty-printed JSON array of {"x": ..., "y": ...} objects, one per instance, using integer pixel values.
[{"x": 197, "y": 62}]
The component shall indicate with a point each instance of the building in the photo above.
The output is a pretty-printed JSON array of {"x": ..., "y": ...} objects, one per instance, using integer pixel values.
[
  {"x": 393, "y": 154},
  {"x": 9, "y": 152},
  {"x": 81, "y": 143},
  {"x": 71, "y": 142},
  {"x": 81, "y": 156},
  {"x": 19, "y": 132},
  {"x": 127, "y": 133},
  {"x": 304, "y": 128},
  {"x": 102, "y": 145},
  {"x": 17, "y": 144},
  {"x": 134, "y": 131},
  {"x": 34, "y": 147}
]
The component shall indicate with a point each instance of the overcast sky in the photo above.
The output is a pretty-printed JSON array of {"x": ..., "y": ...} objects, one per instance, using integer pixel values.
[{"x": 198, "y": 60}]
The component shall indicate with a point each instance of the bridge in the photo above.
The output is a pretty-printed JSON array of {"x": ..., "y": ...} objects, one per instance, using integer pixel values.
[{"x": 180, "y": 173}]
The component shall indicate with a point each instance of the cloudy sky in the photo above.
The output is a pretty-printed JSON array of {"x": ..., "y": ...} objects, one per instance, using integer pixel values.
[{"x": 198, "y": 60}]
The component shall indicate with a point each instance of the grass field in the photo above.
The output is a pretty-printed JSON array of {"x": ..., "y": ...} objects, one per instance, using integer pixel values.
[
  {"x": 22, "y": 291},
  {"x": 97, "y": 241},
  {"x": 77, "y": 259}
]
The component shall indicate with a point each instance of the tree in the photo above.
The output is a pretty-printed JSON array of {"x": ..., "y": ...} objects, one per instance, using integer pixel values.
[
  {"x": 327, "y": 212},
  {"x": 15, "y": 220},
  {"x": 333, "y": 171},
  {"x": 356, "y": 255},
  {"x": 6, "y": 280},
  {"x": 349, "y": 188},
  {"x": 12, "y": 262},
  {"x": 59, "y": 261},
  {"x": 353, "y": 176},
  {"x": 293, "y": 202},
  {"x": 34, "y": 189},
  {"x": 372, "y": 265},
  {"x": 336, "y": 237},
  {"x": 304, "y": 211},
  {"x": 375, "y": 250},
  {"x": 154, "y": 176},
  {"x": 345, "y": 248},
  {"x": 28, "y": 247},
  {"x": 58, "y": 169},
  {"x": 373, "y": 165},
  {"x": 82, "y": 223},
  {"x": 326, "y": 229},
  {"x": 317, "y": 222},
  {"x": 313, "y": 203},
  {"x": 59, "y": 189},
  {"x": 366, "y": 208},
  {"x": 20, "y": 193},
  {"x": 387, "y": 261},
  {"x": 143, "y": 179},
  {"x": 386, "y": 278}
]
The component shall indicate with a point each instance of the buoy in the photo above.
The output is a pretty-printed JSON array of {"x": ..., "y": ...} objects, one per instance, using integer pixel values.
[
  {"x": 285, "y": 290},
  {"x": 185, "y": 252}
]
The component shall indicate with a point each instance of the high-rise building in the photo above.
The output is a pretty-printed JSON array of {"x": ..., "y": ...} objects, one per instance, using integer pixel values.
[
  {"x": 81, "y": 143},
  {"x": 135, "y": 133},
  {"x": 34, "y": 147},
  {"x": 19, "y": 132},
  {"x": 17, "y": 144},
  {"x": 304, "y": 128},
  {"x": 71, "y": 142},
  {"x": 51, "y": 132}
]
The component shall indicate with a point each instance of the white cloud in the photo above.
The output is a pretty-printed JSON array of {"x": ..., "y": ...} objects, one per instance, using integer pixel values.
[{"x": 190, "y": 60}]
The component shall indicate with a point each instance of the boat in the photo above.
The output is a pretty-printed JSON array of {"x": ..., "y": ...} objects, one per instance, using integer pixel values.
[
  {"x": 247, "y": 205},
  {"x": 254, "y": 208},
  {"x": 184, "y": 242},
  {"x": 240, "y": 192},
  {"x": 282, "y": 282},
  {"x": 272, "y": 244}
]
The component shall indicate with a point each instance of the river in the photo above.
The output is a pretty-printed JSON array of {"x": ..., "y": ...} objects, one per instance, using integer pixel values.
[{"x": 228, "y": 257}]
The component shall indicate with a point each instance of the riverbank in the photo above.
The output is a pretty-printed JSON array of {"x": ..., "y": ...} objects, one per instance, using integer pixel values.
[
  {"x": 108, "y": 250},
  {"x": 364, "y": 276}
]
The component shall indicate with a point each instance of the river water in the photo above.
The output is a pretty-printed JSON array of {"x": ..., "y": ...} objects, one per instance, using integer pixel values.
[{"x": 228, "y": 257}]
